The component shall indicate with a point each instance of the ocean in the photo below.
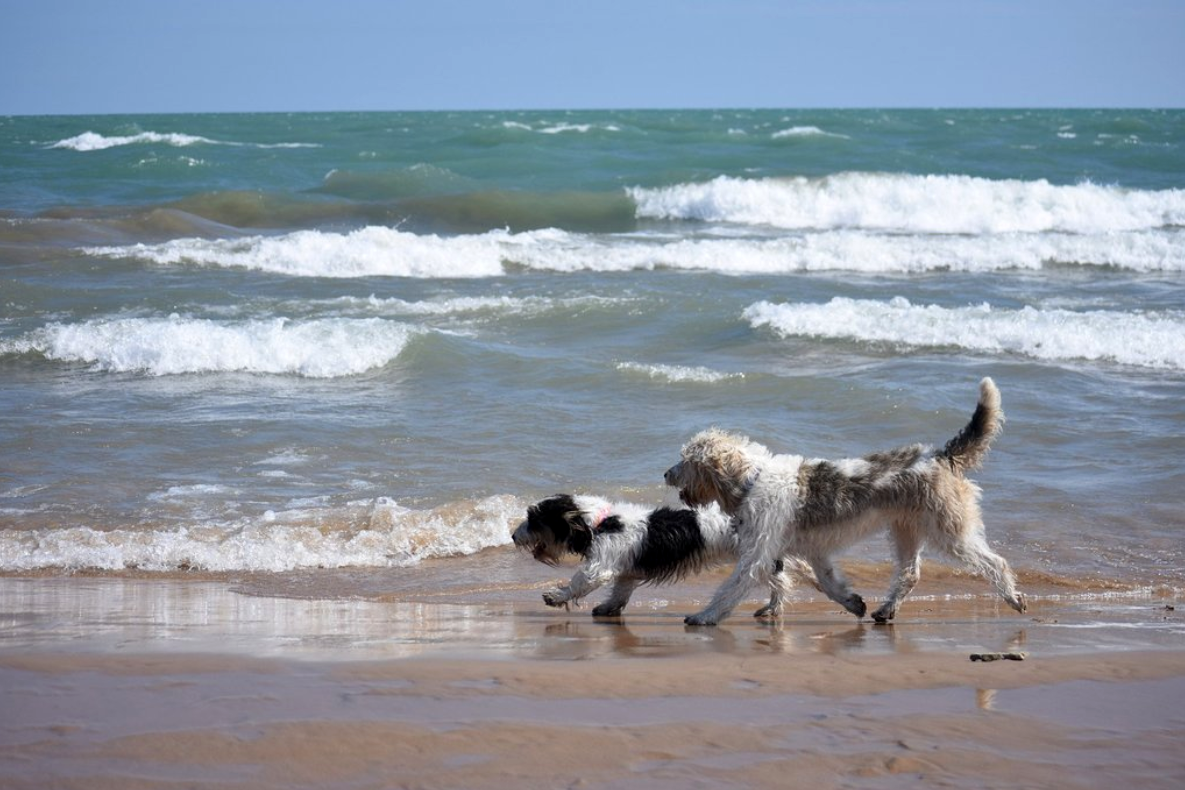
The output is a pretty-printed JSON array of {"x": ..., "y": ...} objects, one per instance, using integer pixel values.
[{"x": 274, "y": 343}]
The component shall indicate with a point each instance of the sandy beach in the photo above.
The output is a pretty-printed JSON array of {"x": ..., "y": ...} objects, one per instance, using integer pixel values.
[{"x": 364, "y": 680}]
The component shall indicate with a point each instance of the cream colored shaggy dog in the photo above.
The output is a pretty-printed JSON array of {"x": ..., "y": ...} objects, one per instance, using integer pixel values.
[{"x": 789, "y": 505}]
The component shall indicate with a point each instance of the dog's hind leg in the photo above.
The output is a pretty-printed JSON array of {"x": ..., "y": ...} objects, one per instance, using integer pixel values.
[
  {"x": 835, "y": 586},
  {"x": 975, "y": 553},
  {"x": 780, "y": 583},
  {"x": 619, "y": 596}
]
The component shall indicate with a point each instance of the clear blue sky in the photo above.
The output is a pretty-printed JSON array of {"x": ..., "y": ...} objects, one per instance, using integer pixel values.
[{"x": 140, "y": 56}]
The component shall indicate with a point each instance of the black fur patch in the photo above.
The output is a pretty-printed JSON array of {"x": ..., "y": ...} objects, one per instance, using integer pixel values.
[
  {"x": 672, "y": 546},
  {"x": 553, "y": 514},
  {"x": 611, "y": 524}
]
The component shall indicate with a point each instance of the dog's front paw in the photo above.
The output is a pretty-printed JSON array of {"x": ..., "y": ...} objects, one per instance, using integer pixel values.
[
  {"x": 606, "y": 610},
  {"x": 555, "y": 598},
  {"x": 699, "y": 619},
  {"x": 769, "y": 611},
  {"x": 856, "y": 605},
  {"x": 884, "y": 614}
]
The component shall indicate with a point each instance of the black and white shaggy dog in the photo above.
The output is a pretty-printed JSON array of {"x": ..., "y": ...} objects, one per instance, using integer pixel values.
[
  {"x": 629, "y": 545},
  {"x": 812, "y": 508}
]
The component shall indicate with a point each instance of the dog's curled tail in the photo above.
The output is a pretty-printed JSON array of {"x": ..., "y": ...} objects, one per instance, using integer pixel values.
[{"x": 968, "y": 448}]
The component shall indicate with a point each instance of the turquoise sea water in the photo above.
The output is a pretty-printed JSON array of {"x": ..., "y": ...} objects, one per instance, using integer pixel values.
[{"x": 264, "y": 342}]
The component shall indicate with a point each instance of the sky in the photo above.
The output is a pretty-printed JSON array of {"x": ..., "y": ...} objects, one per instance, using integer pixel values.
[{"x": 165, "y": 56}]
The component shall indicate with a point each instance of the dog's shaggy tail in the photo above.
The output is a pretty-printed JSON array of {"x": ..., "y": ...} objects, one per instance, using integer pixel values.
[{"x": 968, "y": 448}]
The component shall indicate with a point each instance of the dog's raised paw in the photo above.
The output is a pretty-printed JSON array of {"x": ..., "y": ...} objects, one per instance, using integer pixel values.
[{"x": 555, "y": 598}]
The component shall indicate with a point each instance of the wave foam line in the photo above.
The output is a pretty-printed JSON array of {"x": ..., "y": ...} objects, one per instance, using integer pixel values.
[
  {"x": 912, "y": 203},
  {"x": 367, "y": 252},
  {"x": 679, "y": 374},
  {"x": 324, "y": 348},
  {"x": 1144, "y": 340},
  {"x": 806, "y": 131},
  {"x": 93, "y": 141},
  {"x": 380, "y": 251},
  {"x": 378, "y": 534}
]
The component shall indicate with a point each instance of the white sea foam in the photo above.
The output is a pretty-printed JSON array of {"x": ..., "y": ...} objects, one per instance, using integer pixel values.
[
  {"x": 911, "y": 203},
  {"x": 367, "y": 252},
  {"x": 470, "y": 305},
  {"x": 559, "y": 128},
  {"x": 1139, "y": 339},
  {"x": 806, "y": 131},
  {"x": 93, "y": 141},
  {"x": 323, "y": 348},
  {"x": 380, "y": 251},
  {"x": 377, "y": 533},
  {"x": 678, "y": 373},
  {"x": 864, "y": 252}
]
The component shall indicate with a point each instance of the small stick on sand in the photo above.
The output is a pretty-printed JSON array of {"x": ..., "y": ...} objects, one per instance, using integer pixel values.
[{"x": 999, "y": 656}]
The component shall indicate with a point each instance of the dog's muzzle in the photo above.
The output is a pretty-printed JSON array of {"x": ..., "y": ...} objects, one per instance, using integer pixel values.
[
  {"x": 671, "y": 477},
  {"x": 522, "y": 537}
]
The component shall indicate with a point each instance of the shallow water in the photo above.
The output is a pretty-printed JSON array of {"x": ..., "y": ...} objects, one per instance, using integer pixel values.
[{"x": 275, "y": 342}]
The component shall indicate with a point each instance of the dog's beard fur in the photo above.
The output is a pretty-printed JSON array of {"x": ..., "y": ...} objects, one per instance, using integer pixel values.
[{"x": 715, "y": 467}]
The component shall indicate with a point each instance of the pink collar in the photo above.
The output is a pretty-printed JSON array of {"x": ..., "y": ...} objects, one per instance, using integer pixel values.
[{"x": 601, "y": 514}]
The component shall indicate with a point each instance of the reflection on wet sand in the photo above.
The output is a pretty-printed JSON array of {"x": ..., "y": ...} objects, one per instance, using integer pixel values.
[{"x": 147, "y": 615}]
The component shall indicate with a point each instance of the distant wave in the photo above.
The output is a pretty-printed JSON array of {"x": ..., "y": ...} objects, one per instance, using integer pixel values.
[
  {"x": 1138, "y": 339},
  {"x": 93, "y": 141},
  {"x": 380, "y": 251},
  {"x": 322, "y": 348},
  {"x": 375, "y": 534},
  {"x": 559, "y": 128},
  {"x": 806, "y": 131},
  {"x": 916, "y": 204},
  {"x": 679, "y": 374}
]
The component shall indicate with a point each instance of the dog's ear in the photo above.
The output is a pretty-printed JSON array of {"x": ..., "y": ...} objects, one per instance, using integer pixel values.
[{"x": 577, "y": 521}]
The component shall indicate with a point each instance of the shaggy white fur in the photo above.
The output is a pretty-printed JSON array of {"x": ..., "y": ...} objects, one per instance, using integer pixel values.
[
  {"x": 812, "y": 508},
  {"x": 629, "y": 545}
]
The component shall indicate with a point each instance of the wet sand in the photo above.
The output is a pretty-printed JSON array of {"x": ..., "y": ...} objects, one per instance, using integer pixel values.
[{"x": 398, "y": 679}]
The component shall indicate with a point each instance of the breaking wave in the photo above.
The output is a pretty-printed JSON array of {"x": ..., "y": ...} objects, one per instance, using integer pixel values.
[
  {"x": 1139, "y": 339},
  {"x": 93, "y": 141},
  {"x": 381, "y": 251},
  {"x": 375, "y": 533},
  {"x": 913, "y": 203},
  {"x": 322, "y": 348}
]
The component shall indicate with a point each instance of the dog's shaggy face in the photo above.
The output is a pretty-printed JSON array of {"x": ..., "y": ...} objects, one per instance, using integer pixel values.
[
  {"x": 715, "y": 466},
  {"x": 555, "y": 527}
]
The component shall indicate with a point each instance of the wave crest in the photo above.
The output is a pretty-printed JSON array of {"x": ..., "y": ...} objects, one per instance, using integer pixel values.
[
  {"x": 375, "y": 534},
  {"x": 380, "y": 251},
  {"x": 1143, "y": 340},
  {"x": 322, "y": 348},
  {"x": 93, "y": 141},
  {"x": 911, "y": 203}
]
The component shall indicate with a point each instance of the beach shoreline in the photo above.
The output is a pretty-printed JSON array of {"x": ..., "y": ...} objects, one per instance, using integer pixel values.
[{"x": 114, "y": 681}]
